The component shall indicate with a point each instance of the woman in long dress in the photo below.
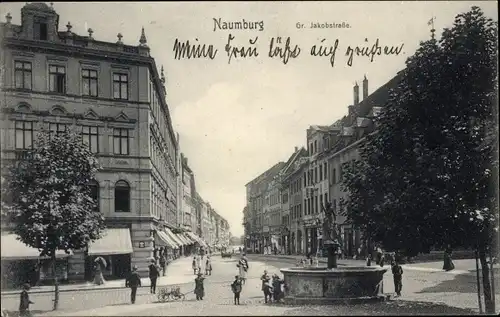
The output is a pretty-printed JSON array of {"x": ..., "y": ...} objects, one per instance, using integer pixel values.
[
  {"x": 199, "y": 288},
  {"x": 99, "y": 264},
  {"x": 243, "y": 268}
]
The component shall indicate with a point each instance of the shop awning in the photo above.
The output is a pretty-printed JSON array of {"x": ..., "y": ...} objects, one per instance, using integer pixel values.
[
  {"x": 199, "y": 240},
  {"x": 174, "y": 237},
  {"x": 13, "y": 249},
  {"x": 183, "y": 239},
  {"x": 187, "y": 238},
  {"x": 164, "y": 240},
  {"x": 114, "y": 241}
]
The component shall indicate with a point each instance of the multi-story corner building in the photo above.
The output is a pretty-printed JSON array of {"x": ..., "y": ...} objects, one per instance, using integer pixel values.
[
  {"x": 292, "y": 186},
  {"x": 349, "y": 133},
  {"x": 114, "y": 95},
  {"x": 256, "y": 193}
]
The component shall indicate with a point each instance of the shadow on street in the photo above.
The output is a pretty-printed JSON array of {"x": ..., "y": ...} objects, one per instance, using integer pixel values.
[{"x": 462, "y": 283}]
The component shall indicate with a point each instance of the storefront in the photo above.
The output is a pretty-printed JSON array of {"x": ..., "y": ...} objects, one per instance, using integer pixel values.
[
  {"x": 115, "y": 247},
  {"x": 22, "y": 264}
]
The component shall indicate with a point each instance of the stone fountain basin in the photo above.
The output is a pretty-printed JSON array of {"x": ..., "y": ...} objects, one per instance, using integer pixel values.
[{"x": 318, "y": 285}]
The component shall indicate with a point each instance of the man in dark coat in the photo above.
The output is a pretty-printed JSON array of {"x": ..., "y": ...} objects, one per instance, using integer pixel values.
[
  {"x": 153, "y": 276},
  {"x": 24, "y": 304},
  {"x": 236, "y": 287},
  {"x": 133, "y": 281},
  {"x": 397, "y": 272},
  {"x": 199, "y": 289}
]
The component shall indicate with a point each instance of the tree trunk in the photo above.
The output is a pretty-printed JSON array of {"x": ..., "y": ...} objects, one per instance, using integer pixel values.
[
  {"x": 493, "y": 294},
  {"x": 56, "y": 282},
  {"x": 478, "y": 284},
  {"x": 489, "y": 306}
]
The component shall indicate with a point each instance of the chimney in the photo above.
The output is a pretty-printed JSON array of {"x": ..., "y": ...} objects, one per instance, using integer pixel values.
[
  {"x": 365, "y": 88},
  {"x": 356, "y": 94},
  {"x": 296, "y": 148}
]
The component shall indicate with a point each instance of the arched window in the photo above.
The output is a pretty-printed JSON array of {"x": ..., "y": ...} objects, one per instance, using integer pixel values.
[
  {"x": 94, "y": 193},
  {"x": 122, "y": 197}
]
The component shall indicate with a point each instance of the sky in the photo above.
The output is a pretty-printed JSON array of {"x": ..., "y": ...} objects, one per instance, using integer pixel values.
[{"x": 237, "y": 120}]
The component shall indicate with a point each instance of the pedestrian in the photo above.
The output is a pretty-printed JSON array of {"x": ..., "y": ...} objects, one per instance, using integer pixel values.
[
  {"x": 277, "y": 293},
  {"x": 266, "y": 287},
  {"x": 448, "y": 263},
  {"x": 194, "y": 265},
  {"x": 236, "y": 287},
  {"x": 24, "y": 304},
  {"x": 199, "y": 289},
  {"x": 153, "y": 276},
  {"x": 198, "y": 263},
  {"x": 379, "y": 255},
  {"x": 163, "y": 264},
  {"x": 208, "y": 266},
  {"x": 243, "y": 268},
  {"x": 99, "y": 264},
  {"x": 133, "y": 281},
  {"x": 369, "y": 260},
  {"x": 397, "y": 272}
]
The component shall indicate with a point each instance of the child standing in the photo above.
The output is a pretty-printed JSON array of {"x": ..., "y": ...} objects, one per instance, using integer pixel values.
[
  {"x": 208, "y": 266},
  {"x": 266, "y": 288},
  {"x": 24, "y": 305},
  {"x": 236, "y": 287}
]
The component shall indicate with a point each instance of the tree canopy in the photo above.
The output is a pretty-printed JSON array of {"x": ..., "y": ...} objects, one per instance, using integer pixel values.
[
  {"x": 424, "y": 178},
  {"x": 47, "y": 198}
]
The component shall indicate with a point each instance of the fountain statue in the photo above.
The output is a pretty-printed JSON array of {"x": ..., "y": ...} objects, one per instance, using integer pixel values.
[
  {"x": 330, "y": 235},
  {"x": 332, "y": 284}
]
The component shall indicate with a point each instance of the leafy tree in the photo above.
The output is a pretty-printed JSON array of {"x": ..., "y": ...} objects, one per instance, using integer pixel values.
[
  {"x": 425, "y": 177},
  {"x": 47, "y": 197}
]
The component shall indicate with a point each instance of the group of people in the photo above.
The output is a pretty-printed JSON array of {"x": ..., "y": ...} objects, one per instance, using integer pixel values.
[
  {"x": 272, "y": 289},
  {"x": 197, "y": 264}
]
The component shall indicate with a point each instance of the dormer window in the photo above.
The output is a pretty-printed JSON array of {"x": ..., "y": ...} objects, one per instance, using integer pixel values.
[{"x": 40, "y": 29}]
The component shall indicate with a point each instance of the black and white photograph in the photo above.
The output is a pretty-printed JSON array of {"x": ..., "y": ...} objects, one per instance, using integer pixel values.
[{"x": 249, "y": 158}]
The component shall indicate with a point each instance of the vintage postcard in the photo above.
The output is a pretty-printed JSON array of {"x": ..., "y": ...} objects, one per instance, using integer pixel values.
[{"x": 249, "y": 158}]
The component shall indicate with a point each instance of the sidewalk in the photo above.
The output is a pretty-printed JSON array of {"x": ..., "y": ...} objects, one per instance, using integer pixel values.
[
  {"x": 178, "y": 272},
  {"x": 461, "y": 266}
]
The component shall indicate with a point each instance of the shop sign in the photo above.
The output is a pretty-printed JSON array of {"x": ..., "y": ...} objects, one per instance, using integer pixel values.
[{"x": 142, "y": 244}]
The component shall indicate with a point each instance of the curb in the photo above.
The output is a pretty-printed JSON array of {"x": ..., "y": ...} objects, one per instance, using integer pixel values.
[{"x": 9, "y": 293}]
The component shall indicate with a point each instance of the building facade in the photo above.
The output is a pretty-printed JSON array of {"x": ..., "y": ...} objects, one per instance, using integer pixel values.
[
  {"x": 254, "y": 225},
  {"x": 59, "y": 80},
  {"x": 292, "y": 186}
]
